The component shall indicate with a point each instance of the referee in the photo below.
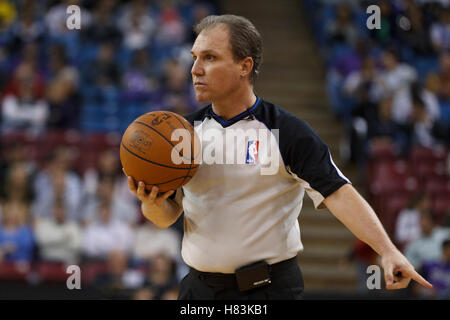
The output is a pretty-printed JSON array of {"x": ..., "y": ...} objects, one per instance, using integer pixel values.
[{"x": 241, "y": 233}]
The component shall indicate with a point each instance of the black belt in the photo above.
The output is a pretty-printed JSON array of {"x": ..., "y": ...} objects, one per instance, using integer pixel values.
[{"x": 228, "y": 280}]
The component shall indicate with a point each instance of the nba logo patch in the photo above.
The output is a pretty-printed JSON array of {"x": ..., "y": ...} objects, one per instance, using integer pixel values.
[{"x": 252, "y": 152}]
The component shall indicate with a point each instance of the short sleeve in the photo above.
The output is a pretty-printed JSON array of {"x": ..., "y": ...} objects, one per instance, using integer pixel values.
[{"x": 308, "y": 159}]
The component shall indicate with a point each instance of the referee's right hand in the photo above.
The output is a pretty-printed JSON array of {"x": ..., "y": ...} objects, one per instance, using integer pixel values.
[
  {"x": 149, "y": 198},
  {"x": 156, "y": 207}
]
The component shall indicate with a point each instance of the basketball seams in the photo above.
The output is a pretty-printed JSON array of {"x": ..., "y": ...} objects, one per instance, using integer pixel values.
[
  {"x": 190, "y": 167},
  {"x": 156, "y": 163},
  {"x": 167, "y": 140},
  {"x": 163, "y": 130},
  {"x": 168, "y": 181}
]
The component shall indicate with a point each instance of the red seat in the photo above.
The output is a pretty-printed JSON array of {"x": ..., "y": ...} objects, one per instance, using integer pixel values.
[
  {"x": 62, "y": 137},
  {"x": 391, "y": 207},
  {"x": 91, "y": 270},
  {"x": 421, "y": 154},
  {"x": 13, "y": 272},
  {"x": 389, "y": 177},
  {"x": 51, "y": 271},
  {"x": 426, "y": 170},
  {"x": 102, "y": 141},
  {"x": 382, "y": 151},
  {"x": 441, "y": 206},
  {"x": 438, "y": 186}
]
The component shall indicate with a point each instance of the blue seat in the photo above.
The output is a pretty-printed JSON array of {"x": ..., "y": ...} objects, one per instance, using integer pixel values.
[
  {"x": 444, "y": 119},
  {"x": 424, "y": 65}
]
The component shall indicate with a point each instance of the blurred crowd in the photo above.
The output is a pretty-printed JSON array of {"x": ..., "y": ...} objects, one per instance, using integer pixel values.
[
  {"x": 129, "y": 57},
  {"x": 389, "y": 84},
  {"x": 65, "y": 202},
  {"x": 390, "y": 87}
]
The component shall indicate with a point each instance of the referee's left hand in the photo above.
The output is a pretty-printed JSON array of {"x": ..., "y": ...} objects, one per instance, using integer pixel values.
[{"x": 398, "y": 271}]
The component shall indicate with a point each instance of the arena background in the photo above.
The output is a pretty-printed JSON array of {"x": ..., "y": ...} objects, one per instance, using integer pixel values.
[{"x": 379, "y": 98}]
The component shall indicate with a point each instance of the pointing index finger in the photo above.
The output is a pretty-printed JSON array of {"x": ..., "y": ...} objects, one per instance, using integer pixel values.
[{"x": 417, "y": 277}]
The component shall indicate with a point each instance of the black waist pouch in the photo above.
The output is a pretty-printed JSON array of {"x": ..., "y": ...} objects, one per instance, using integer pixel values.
[{"x": 253, "y": 276}]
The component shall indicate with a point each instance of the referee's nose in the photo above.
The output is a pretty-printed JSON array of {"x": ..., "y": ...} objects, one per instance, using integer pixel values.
[{"x": 197, "y": 69}]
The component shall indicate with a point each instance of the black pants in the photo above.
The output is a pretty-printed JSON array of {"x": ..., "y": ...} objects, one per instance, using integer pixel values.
[{"x": 287, "y": 284}]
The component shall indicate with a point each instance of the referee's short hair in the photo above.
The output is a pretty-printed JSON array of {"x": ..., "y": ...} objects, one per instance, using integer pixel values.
[{"x": 245, "y": 40}]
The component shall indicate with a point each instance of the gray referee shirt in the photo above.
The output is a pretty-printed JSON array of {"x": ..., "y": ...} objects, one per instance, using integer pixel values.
[{"x": 239, "y": 207}]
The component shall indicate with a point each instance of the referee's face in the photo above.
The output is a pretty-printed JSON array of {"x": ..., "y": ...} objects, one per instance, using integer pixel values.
[{"x": 215, "y": 74}]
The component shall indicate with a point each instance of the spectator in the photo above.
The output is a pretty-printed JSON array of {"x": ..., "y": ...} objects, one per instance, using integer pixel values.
[
  {"x": 171, "y": 30},
  {"x": 24, "y": 109},
  {"x": 440, "y": 31},
  {"x": 28, "y": 28},
  {"x": 414, "y": 34},
  {"x": 439, "y": 82},
  {"x": 16, "y": 237},
  {"x": 58, "y": 239},
  {"x": 151, "y": 240},
  {"x": 12, "y": 153},
  {"x": 106, "y": 183},
  {"x": 137, "y": 25},
  {"x": 352, "y": 58},
  {"x": 408, "y": 227},
  {"x": 56, "y": 180},
  {"x": 103, "y": 27},
  {"x": 144, "y": 293},
  {"x": 428, "y": 246},
  {"x": 62, "y": 93},
  {"x": 103, "y": 71},
  {"x": 396, "y": 76},
  {"x": 419, "y": 129},
  {"x": 405, "y": 99},
  {"x": 342, "y": 30},
  {"x": 140, "y": 80},
  {"x": 30, "y": 55},
  {"x": 386, "y": 34},
  {"x": 17, "y": 185},
  {"x": 106, "y": 235},
  {"x": 119, "y": 281},
  {"x": 171, "y": 293},
  {"x": 199, "y": 11},
  {"x": 438, "y": 273},
  {"x": 175, "y": 91},
  {"x": 161, "y": 275},
  {"x": 363, "y": 81},
  {"x": 382, "y": 128}
]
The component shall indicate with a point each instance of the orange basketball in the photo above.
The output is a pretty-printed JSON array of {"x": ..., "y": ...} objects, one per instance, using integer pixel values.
[{"x": 148, "y": 153}]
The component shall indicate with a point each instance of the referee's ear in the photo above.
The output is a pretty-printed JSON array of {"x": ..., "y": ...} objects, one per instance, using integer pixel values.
[{"x": 246, "y": 67}]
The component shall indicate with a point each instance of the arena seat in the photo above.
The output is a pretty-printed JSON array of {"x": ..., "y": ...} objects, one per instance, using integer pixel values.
[
  {"x": 441, "y": 206},
  {"x": 102, "y": 141},
  {"x": 51, "y": 271},
  {"x": 391, "y": 207},
  {"x": 430, "y": 170},
  {"x": 91, "y": 270},
  {"x": 12, "y": 272},
  {"x": 438, "y": 186},
  {"x": 421, "y": 154}
]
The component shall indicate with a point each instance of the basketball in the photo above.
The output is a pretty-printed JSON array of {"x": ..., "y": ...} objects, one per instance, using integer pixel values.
[{"x": 148, "y": 153}]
